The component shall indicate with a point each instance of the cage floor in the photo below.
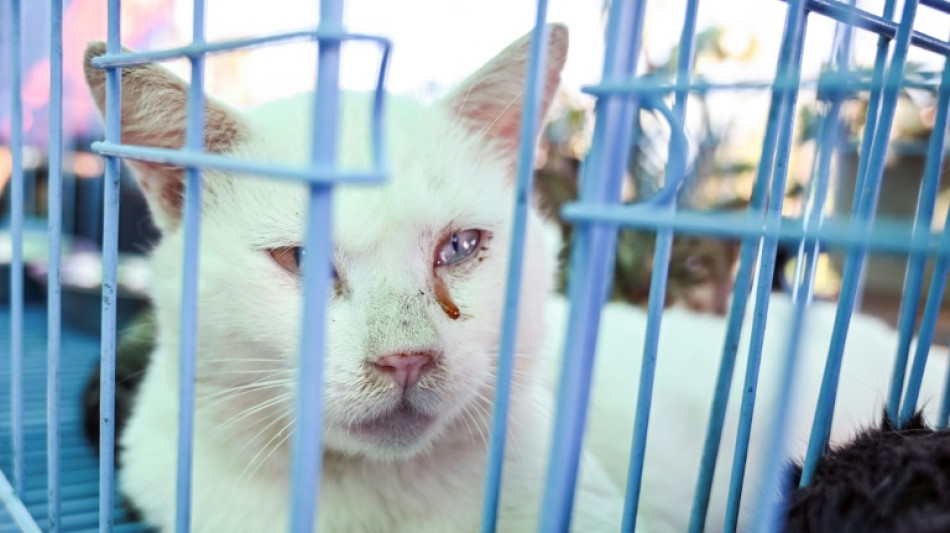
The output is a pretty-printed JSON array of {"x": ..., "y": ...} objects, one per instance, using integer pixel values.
[{"x": 79, "y": 461}]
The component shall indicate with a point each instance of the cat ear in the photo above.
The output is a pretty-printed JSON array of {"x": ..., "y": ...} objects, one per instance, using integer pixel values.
[
  {"x": 490, "y": 101},
  {"x": 154, "y": 113}
]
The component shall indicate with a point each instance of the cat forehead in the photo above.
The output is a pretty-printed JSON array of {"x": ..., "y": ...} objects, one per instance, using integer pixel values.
[{"x": 442, "y": 176}]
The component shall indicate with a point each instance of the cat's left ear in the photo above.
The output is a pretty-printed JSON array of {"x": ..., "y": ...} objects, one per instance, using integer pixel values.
[
  {"x": 490, "y": 101},
  {"x": 153, "y": 113}
]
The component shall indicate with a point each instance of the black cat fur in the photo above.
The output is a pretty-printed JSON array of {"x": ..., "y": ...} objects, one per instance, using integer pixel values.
[
  {"x": 884, "y": 480},
  {"x": 131, "y": 359}
]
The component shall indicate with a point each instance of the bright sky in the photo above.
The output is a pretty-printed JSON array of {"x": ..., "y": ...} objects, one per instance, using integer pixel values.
[{"x": 438, "y": 42}]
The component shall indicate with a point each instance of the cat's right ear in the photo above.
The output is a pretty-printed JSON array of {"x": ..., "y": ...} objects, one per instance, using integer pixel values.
[
  {"x": 154, "y": 113},
  {"x": 489, "y": 102}
]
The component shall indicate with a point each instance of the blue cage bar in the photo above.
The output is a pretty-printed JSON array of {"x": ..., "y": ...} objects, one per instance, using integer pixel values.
[
  {"x": 598, "y": 214},
  {"x": 53, "y": 283},
  {"x": 506, "y": 351}
]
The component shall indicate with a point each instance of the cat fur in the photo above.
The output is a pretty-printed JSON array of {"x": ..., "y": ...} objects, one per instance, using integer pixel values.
[{"x": 452, "y": 169}]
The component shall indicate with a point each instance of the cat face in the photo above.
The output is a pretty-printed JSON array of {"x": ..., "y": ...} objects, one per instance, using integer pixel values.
[{"x": 419, "y": 263}]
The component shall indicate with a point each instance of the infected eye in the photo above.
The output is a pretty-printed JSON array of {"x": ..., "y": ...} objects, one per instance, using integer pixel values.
[
  {"x": 291, "y": 258},
  {"x": 458, "y": 247}
]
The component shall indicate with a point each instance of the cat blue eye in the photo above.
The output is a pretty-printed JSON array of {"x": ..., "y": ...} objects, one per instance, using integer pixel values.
[{"x": 458, "y": 247}]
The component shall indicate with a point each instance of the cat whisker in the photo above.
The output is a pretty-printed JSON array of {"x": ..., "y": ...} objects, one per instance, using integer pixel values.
[
  {"x": 493, "y": 373},
  {"x": 472, "y": 421},
  {"x": 515, "y": 372},
  {"x": 285, "y": 433},
  {"x": 234, "y": 392},
  {"x": 249, "y": 386},
  {"x": 243, "y": 360},
  {"x": 248, "y": 442},
  {"x": 511, "y": 437},
  {"x": 219, "y": 401},
  {"x": 539, "y": 409},
  {"x": 268, "y": 371},
  {"x": 255, "y": 409}
]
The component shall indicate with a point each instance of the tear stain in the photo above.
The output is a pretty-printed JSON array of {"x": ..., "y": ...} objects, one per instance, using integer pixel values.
[{"x": 445, "y": 300}]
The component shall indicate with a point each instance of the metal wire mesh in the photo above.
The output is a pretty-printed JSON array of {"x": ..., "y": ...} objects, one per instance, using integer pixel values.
[{"x": 63, "y": 503}]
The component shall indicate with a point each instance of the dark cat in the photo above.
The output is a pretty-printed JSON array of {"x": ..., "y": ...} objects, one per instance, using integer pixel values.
[
  {"x": 885, "y": 479},
  {"x": 131, "y": 359}
]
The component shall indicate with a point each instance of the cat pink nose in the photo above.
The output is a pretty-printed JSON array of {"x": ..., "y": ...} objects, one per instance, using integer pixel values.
[{"x": 406, "y": 369}]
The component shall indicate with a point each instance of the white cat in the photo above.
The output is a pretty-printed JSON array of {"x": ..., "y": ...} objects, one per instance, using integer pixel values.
[
  {"x": 413, "y": 324},
  {"x": 415, "y": 318}
]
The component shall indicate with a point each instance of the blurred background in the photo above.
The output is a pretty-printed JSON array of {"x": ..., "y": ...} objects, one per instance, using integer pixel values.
[{"x": 439, "y": 42}]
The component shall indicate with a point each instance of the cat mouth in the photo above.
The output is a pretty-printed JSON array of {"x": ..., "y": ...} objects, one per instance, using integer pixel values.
[{"x": 399, "y": 427}]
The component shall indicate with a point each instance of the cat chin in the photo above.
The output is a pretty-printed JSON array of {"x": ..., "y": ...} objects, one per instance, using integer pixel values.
[
  {"x": 405, "y": 432},
  {"x": 386, "y": 440}
]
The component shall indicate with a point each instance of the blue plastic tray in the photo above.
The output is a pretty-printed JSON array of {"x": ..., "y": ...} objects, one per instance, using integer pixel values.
[{"x": 79, "y": 461}]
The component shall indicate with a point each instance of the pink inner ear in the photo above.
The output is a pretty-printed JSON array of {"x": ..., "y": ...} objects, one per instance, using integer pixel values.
[
  {"x": 491, "y": 101},
  {"x": 496, "y": 120},
  {"x": 164, "y": 127},
  {"x": 169, "y": 189},
  {"x": 164, "y": 184},
  {"x": 154, "y": 112}
]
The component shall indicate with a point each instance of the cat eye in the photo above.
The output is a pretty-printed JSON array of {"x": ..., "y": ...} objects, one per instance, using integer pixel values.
[
  {"x": 291, "y": 258},
  {"x": 458, "y": 247},
  {"x": 695, "y": 265}
]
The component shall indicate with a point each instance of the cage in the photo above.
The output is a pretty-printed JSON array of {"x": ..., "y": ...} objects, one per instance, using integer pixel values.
[{"x": 50, "y": 480}]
